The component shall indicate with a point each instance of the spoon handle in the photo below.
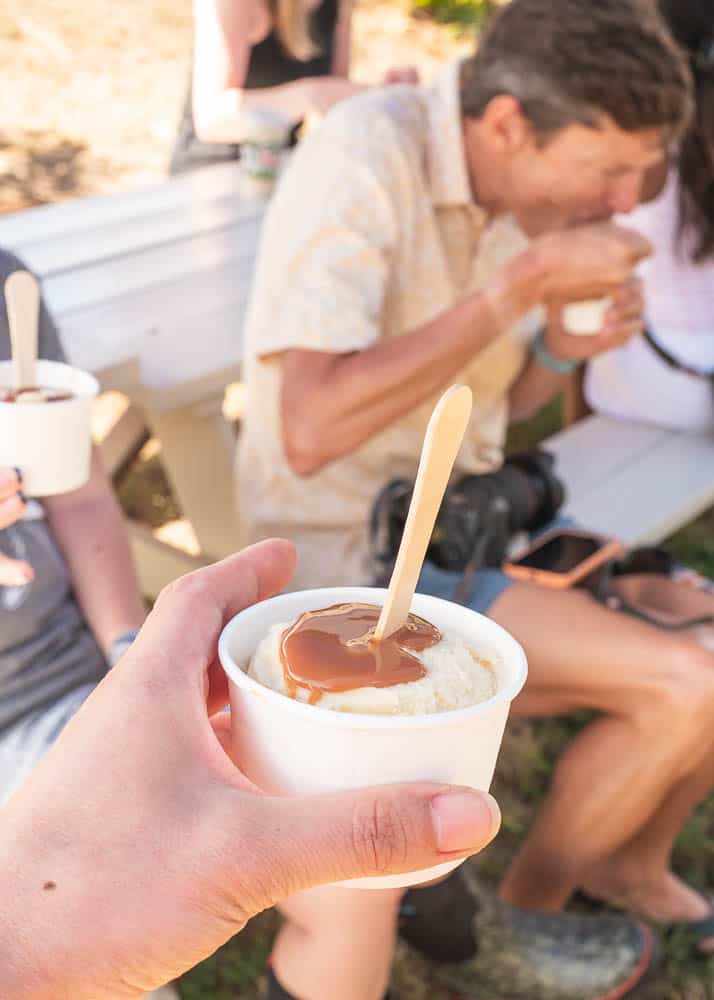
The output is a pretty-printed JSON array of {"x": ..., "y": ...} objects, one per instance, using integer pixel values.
[
  {"x": 442, "y": 441},
  {"x": 22, "y": 296}
]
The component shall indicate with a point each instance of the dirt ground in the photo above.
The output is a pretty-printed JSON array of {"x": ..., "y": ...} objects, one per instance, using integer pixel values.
[{"x": 91, "y": 92}]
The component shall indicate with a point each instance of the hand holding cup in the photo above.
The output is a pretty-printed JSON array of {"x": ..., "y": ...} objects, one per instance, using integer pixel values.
[{"x": 622, "y": 317}]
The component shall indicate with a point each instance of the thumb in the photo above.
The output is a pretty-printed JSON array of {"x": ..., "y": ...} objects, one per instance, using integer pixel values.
[{"x": 372, "y": 831}]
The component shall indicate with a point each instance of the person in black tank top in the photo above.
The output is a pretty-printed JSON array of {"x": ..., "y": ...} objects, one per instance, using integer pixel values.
[
  {"x": 301, "y": 65},
  {"x": 270, "y": 65}
]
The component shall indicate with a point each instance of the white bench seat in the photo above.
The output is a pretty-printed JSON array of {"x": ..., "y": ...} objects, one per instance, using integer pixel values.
[{"x": 636, "y": 482}]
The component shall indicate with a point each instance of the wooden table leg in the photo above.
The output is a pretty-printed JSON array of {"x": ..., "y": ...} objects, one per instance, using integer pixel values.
[{"x": 198, "y": 447}]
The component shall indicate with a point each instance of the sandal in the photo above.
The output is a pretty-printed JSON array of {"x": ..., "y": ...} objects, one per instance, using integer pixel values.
[
  {"x": 693, "y": 931},
  {"x": 544, "y": 956}
]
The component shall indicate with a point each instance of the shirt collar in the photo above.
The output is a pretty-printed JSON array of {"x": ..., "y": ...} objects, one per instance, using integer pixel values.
[{"x": 446, "y": 156}]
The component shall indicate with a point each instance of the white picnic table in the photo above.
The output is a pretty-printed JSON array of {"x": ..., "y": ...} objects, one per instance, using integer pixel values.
[
  {"x": 149, "y": 289},
  {"x": 636, "y": 482}
]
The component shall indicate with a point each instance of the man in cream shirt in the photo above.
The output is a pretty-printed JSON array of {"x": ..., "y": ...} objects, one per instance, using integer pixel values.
[
  {"x": 403, "y": 245},
  {"x": 407, "y": 247}
]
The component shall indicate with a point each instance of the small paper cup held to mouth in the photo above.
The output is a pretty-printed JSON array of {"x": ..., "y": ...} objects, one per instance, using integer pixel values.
[
  {"x": 49, "y": 442},
  {"x": 585, "y": 319},
  {"x": 287, "y": 747}
]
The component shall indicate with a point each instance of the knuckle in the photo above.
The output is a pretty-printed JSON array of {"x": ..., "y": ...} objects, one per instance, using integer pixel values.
[
  {"x": 380, "y": 837},
  {"x": 189, "y": 588}
]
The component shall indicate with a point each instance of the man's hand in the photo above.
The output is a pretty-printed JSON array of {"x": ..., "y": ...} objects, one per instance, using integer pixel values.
[
  {"x": 623, "y": 320},
  {"x": 137, "y": 847},
  {"x": 587, "y": 262},
  {"x": 13, "y": 572}
]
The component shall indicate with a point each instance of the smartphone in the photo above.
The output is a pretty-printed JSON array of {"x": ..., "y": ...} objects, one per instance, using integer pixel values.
[{"x": 562, "y": 558}]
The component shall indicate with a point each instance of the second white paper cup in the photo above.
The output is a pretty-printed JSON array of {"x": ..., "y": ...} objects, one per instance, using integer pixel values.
[
  {"x": 50, "y": 443},
  {"x": 287, "y": 747},
  {"x": 584, "y": 319}
]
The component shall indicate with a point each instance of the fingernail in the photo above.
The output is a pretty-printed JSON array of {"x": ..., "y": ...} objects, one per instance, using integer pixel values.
[{"x": 464, "y": 819}]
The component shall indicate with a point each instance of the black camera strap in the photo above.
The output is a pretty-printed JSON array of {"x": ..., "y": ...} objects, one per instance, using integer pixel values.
[
  {"x": 672, "y": 362},
  {"x": 496, "y": 525}
]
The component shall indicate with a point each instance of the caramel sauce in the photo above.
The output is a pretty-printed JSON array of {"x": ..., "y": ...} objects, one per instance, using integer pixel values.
[
  {"x": 334, "y": 649},
  {"x": 11, "y": 395}
]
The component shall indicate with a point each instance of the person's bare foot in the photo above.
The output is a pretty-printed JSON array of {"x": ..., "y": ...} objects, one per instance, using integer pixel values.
[{"x": 661, "y": 897}]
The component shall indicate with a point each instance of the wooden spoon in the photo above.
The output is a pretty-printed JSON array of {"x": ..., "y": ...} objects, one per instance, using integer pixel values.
[
  {"x": 442, "y": 441},
  {"x": 22, "y": 296}
]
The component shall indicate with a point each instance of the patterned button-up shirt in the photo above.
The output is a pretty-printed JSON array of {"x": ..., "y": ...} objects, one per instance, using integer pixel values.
[{"x": 372, "y": 233}]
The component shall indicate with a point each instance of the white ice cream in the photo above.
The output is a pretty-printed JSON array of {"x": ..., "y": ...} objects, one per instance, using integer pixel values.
[{"x": 456, "y": 677}]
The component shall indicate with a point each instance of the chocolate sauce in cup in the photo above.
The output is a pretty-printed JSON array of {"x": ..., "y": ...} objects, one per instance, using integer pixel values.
[{"x": 333, "y": 649}]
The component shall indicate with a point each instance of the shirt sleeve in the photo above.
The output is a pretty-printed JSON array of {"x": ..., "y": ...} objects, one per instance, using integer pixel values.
[
  {"x": 323, "y": 265},
  {"x": 49, "y": 347}
]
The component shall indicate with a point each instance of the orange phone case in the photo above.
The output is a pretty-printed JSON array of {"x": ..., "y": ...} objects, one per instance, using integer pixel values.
[{"x": 611, "y": 548}]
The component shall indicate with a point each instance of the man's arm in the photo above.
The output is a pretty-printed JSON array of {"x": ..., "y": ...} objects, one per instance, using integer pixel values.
[
  {"x": 332, "y": 403},
  {"x": 535, "y": 387},
  {"x": 89, "y": 529}
]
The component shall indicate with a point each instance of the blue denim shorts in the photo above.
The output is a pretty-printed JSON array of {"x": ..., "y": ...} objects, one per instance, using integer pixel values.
[{"x": 487, "y": 585}]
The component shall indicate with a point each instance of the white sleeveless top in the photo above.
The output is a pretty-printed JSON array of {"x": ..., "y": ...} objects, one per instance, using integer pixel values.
[{"x": 633, "y": 383}]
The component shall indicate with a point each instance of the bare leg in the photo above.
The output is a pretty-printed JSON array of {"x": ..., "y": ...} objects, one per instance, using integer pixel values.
[
  {"x": 656, "y": 693},
  {"x": 638, "y": 875},
  {"x": 337, "y": 943}
]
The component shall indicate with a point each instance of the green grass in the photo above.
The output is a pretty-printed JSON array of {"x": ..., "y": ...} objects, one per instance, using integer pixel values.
[
  {"x": 525, "y": 766},
  {"x": 236, "y": 970},
  {"x": 464, "y": 15}
]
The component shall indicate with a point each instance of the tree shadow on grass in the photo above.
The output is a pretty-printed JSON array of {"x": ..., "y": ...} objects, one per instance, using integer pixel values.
[{"x": 39, "y": 166}]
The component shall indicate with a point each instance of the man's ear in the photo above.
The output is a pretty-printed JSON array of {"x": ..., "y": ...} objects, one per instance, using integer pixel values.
[{"x": 505, "y": 126}]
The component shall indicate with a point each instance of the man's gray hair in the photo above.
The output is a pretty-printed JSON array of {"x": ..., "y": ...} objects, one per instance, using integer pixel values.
[{"x": 571, "y": 61}]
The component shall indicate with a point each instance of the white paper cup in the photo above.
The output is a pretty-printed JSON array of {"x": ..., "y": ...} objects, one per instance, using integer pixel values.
[
  {"x": 288, "y": 747},
  {"x": 584, "y": 319},
  {"x": 266, "y": 135},
  {"x": 49, "y": 442}
]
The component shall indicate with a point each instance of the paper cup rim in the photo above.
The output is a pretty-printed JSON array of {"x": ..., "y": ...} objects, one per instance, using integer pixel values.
[
  {"x": 363, "y": 720},
  {"x": 89, "y": 390}
]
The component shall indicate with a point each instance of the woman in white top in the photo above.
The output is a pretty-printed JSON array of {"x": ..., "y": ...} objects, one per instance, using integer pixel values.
[{"x": 663, "y": 378}]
